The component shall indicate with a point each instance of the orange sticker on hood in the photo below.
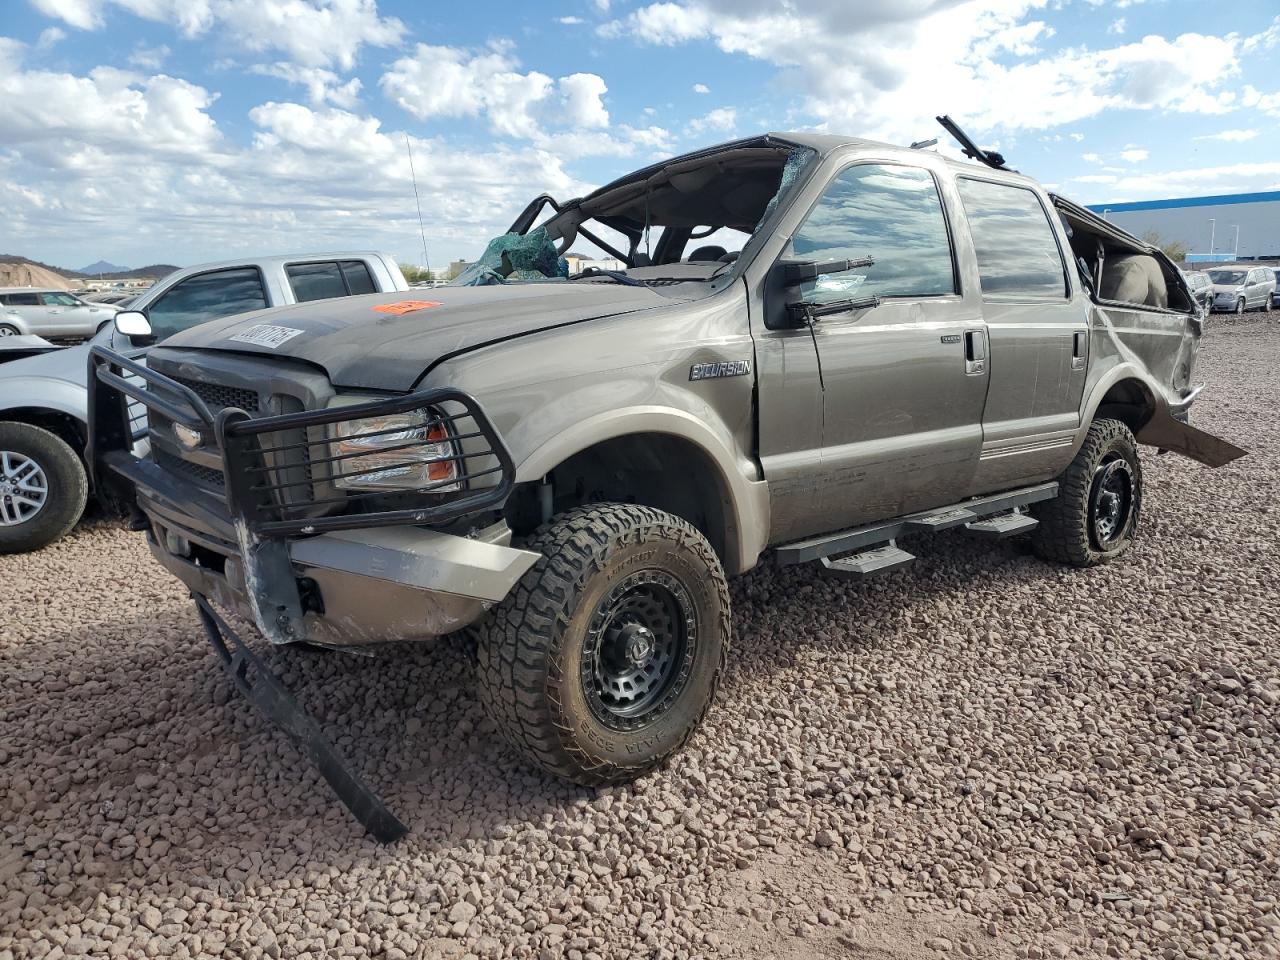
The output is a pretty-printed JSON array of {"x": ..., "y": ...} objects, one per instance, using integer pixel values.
[{"x": 406, "y": 306}]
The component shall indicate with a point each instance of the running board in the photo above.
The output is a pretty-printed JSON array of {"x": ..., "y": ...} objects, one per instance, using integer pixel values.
[
  {"x": 967, "y": 513},
  {"x": 856, "y": 566},
  {"x": 1005, "y": 525}
]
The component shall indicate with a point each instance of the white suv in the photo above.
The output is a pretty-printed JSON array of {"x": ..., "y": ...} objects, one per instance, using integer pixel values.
[{"x": 50, "y": 313}]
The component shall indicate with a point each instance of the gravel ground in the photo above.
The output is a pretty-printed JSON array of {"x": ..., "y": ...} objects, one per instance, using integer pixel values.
[{"x": 981, "y": 756}]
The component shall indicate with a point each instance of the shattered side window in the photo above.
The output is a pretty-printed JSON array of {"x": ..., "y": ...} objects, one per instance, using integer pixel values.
[
  {"x": 512, "y": 256},
  {"x": 797, "y": 159}
]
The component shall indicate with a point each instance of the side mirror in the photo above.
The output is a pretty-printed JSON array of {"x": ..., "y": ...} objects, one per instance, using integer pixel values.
[
  {"x": 134, "y": 325},
  {"x": 783, "y": 310}
]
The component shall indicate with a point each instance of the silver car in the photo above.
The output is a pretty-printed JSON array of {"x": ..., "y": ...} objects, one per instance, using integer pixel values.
[
  {"x": 1242, "y": 287},
  {"x": 50, "y": 313}
]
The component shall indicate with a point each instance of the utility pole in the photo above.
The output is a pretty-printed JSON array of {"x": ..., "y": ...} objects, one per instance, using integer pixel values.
[
  {"x": 1236, "y": 254},
  {"x": 1212, "y": 226}
]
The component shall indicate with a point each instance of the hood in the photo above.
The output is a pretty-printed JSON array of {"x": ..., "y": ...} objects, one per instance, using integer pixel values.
[
  {"x": 1228, "y": 287},
  {"x": 388, "y": 341}
]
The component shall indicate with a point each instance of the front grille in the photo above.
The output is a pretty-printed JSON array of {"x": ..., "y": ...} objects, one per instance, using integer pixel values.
[
  {"x": 218, "y": 396},
  {"x": 198, "y": 472}
]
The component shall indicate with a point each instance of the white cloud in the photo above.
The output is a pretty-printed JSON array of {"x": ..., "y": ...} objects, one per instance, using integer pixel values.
[
  {"x": 720, "y": 120},
  {"x": 452, "y": 82},
  {"x": 1231, "y": 136},
  {"x": 323, "y": 86},
  {"x": 1134, "y": 154},
  {"x": 582, "y": 95},
  {"x": 1117, "y": 26},
  {"x": 1095, "y": 178},
  {"x": 149, "y": 58},
  {"x": 1077, "y": 137},
  {"x": 139, "y": 160},
  {"x": 570, "y": 21},
  {"x": 701, "y": 88},
  {"x": 1091, "y": 157},
  {"x": 312, "y": 33},
  {"x": 983, "y": 53},
  {"x": 50, "y": 37},
  {"x": 1268, "y": 103}
]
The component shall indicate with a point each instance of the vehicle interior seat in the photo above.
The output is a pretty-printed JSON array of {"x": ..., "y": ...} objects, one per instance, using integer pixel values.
[
  {"x": 710, "y": 254},
  {"x": 1134, "y": 278}
]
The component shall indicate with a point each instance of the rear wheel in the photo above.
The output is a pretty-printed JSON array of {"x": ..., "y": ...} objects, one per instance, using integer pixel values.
[
  {"x": 8, "y": 331},
  {"x": 604, "y": 659},
  {"x": 1094, "y": 518},
  {"x": 43, "y": 488}
]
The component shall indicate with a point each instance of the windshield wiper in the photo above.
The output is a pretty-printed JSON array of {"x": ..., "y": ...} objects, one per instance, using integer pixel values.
[{"x": 592, "y": 273}]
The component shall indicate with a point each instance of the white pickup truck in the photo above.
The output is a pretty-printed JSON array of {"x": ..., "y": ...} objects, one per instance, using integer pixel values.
[{"x": 44, "y": 397}]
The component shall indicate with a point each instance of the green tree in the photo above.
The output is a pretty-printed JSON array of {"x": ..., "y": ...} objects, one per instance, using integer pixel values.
[{"x": 1175, "y": 250}]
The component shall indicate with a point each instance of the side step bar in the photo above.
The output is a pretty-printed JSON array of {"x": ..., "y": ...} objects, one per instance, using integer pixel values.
[
  {"x": 869, "y": 562},
  {"x": 973, "y": 514}
]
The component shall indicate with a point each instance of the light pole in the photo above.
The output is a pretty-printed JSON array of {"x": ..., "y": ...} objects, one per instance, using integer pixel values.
[
  {"x": 1236, "y": 254},
  {"x": 1212, "y": 228},
  {"x": 1105, "y": 211}
]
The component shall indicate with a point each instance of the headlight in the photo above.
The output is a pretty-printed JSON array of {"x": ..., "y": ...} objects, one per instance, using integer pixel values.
[{"x": 402, "y": 451}]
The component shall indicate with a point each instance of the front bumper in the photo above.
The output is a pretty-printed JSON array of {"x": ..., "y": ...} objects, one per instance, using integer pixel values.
[{"x": 336, "y": 579}]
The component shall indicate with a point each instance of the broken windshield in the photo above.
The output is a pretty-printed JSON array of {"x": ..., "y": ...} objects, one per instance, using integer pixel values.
[{"x": 685, "y": 220}]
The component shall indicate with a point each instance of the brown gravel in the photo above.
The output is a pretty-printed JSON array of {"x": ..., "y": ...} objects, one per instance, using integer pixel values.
[{"x": 982, "y": 756}]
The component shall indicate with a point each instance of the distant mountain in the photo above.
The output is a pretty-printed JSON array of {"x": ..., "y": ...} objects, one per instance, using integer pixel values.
[
  {"x": 154, "y": 270},
  {"x": 102, "y": 266}
]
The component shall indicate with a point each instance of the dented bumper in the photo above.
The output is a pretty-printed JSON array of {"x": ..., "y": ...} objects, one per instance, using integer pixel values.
[{"x": 268, "y": 540}]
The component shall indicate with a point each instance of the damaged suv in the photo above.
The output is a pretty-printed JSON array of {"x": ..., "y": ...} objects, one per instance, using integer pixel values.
[{"x": 817, "y": 345}]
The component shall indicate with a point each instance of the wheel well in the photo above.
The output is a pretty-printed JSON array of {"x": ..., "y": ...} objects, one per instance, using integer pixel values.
[
  {"x": 652, "y": 469},
  {"x": 1129, "y": 401},
  {"x": 63, "y": 425}
]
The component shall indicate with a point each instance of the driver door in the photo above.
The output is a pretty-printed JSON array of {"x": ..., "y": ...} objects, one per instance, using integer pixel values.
[{"x": 904, "y": 383}]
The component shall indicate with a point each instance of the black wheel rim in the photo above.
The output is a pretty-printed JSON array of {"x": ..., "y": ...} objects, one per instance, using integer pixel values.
[
  {"x": 1111, "y": 502},
  {"x": 639, "y": 650}
]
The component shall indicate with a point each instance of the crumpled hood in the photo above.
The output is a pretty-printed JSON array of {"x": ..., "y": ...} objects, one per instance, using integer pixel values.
[{"x": 359, "y": 345}]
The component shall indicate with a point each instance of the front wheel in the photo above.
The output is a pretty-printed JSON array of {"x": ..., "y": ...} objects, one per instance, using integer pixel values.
[
  {"x": 1240, "y": 306},
  {"x": 43, "y": 488},
  {"x": 1094, "y": 517},
  {"x": 603, "y": 660},
  {"x": 7, "y": 330}
]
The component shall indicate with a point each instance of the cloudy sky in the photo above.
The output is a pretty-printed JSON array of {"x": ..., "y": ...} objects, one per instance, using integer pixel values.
[{"x": 190, "y": 130}]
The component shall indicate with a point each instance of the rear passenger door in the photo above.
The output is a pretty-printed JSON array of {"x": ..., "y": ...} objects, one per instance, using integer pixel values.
[
  {"x": 903, "y": 383},
  {"x": 1039, "y": 330}
]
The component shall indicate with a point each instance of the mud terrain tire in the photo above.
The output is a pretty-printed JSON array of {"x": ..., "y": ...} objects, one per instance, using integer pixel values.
[
  {"x": 1095, "y": 515},
  {"x": 621, "y": 591}
]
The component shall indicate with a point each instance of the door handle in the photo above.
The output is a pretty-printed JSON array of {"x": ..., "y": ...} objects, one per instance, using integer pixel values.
[
  {"x": 1079, "y": 349},
  {"x": 975, "y": 353}
]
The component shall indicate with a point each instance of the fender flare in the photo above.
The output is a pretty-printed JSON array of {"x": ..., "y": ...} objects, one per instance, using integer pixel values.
[
  {"x": 1162, "y": 429},
  {"x": 746, "y": 501}
]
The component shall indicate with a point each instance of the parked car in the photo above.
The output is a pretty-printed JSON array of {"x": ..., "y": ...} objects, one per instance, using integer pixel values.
[
  {"x": 572, "y": 465},
  {"x": 1241, "y": 287},
  {"x": 1201, "y": 288},
  {"x": 49, "y": 313},
  {"x": 117, "y": 297},
  {"x": 44, "y": 400},
  {"x": 1275, "y": 294}
]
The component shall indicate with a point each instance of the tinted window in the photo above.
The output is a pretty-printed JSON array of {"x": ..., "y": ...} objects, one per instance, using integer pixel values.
[
  {"x": 357, "y": 275},
  {"x": 890, "y": 213},
  {"x": 315, "y": 281},
  {"x": 320, "y": 281},
  {"x": 23, "y": 300},
  {"x": 1018, "y": 255},
  {"x": 206, "y": 297}
]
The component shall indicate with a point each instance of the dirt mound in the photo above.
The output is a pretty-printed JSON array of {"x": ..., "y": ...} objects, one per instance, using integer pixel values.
[{"x": 29, "y": 275}]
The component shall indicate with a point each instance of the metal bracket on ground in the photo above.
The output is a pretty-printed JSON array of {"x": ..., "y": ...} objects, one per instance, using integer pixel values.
[{"x": 265, "y": 691}]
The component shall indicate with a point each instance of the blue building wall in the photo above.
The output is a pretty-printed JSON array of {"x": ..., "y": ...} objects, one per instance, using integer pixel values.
[{"x": 1188, "y": 220}]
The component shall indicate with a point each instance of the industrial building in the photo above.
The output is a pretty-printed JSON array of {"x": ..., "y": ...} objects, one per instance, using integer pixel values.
[{"x": 1237, "y": 226}]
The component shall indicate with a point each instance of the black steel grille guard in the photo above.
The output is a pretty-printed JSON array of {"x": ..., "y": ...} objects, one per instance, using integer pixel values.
[{"x": 261, "y": 484}]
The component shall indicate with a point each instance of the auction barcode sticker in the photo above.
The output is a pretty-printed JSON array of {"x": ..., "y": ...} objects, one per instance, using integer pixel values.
[{"x": 266, "y": 335}]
